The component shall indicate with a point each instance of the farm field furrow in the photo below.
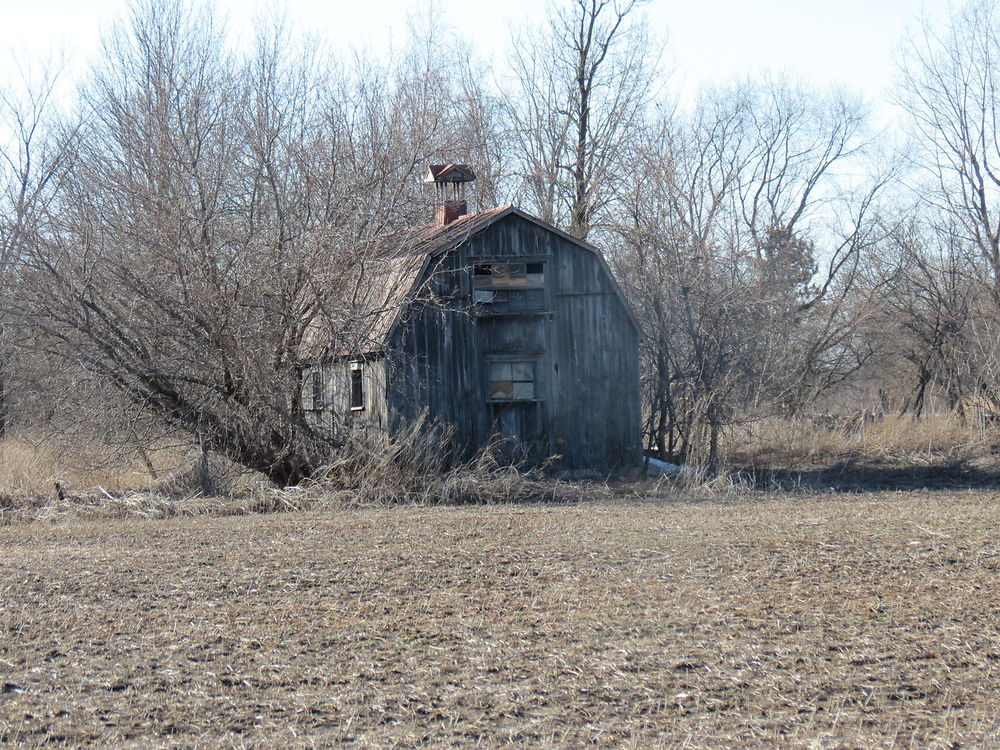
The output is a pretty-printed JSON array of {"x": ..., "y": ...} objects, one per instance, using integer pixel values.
[{"x": 862, "y": 621}]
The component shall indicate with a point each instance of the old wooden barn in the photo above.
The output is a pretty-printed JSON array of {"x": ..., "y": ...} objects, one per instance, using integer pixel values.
[{"x": 501, "y": 327}]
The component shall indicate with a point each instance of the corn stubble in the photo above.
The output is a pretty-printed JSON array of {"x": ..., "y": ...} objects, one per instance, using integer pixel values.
[{"x": 699, "y": 621}]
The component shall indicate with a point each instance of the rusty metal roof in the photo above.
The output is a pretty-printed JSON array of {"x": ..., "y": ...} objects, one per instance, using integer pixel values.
[{"x": 450, "y": 173}]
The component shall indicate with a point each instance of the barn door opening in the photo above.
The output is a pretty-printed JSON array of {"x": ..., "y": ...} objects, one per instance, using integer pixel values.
[
  {"x": 515, "y": 406},
  {"x": 516, "y": 430}
]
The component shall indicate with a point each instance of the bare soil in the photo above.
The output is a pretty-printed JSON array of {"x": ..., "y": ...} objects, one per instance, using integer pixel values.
[{"x": 862, "y": 621}]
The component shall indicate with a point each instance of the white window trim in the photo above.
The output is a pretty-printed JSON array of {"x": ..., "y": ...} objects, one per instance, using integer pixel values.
[{"x": 358, "y": 367}]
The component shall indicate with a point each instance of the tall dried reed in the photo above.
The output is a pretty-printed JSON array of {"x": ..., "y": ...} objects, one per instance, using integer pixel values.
[{"x": 895, "y": 439}]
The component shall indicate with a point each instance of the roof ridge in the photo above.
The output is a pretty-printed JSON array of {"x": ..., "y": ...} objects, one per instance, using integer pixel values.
[{"x": 465, "y": 217}]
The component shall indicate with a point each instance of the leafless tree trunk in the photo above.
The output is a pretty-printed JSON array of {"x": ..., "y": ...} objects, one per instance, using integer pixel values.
[
  {"x": 744, "y": 315},
  {"x": 583, "y": 86}
]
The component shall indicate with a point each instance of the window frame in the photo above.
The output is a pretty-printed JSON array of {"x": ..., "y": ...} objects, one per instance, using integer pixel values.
[
  {"x": 513, "y": 359},
  {"x": 511, "y": 285},
  {"x": 316, "y": 389},
  {"x": 356, "y": 386}
]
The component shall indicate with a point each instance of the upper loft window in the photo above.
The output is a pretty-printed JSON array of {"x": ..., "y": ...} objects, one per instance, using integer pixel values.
[{"x": 509, "y": 287}]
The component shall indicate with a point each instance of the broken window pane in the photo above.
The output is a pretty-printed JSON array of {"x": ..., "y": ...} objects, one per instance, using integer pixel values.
[
  {"x": 512, "y": 380},
  {"x": 509, "y": 287},
  {"x": 501, "y": 389}
]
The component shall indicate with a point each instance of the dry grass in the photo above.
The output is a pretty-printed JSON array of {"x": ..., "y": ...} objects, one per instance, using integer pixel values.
[
  {"x": 395, "y": 476},
  {"x": 901, "y": 440},
  {"x": 408, "y": 468},
  {"x": 794, "y": 621},
  {"x": 27, "y": 468},
  {"x": 31, "y": 465}
]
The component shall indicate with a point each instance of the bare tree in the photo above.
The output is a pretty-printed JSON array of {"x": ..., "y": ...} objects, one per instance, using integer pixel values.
[
  {"x": 951, "y": 75},
  {"x": 742, "y": 279},
  {"x": 36, "y": 149},
  {"x": 930, "y": 302},
  {"x": 950, "y": 80},
  {"x": 583, "y": 85},
  {"x": 220, "y": 209}
]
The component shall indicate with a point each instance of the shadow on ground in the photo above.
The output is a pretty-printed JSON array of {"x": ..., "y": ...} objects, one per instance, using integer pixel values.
[{"x": 853, "y": 476}]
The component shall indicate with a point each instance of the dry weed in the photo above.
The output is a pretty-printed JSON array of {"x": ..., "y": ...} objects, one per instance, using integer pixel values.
[
  {"x": 32, "y": 464},
  {"x": 891, "y": 439},
  {"x": 27, "y": 468},
  {"x": 412, "y": 468},
  {"x": 382, "y": 472}
]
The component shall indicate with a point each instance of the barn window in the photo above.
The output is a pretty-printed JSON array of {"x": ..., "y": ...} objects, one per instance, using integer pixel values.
[
  {"x": 512, "y": 381},
  {"x": 509, "y": 287},
  {"x": 357, "y": 385}
]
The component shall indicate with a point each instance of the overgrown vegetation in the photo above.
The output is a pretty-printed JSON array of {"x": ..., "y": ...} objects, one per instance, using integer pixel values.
[
  {"x": 172, "y": 242},
  {"x": 40, "y": 483}
]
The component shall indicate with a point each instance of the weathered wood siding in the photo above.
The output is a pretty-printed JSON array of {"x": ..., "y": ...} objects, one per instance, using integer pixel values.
[
  {"x": 327, "y": 395},
  {"x": 584, "y": 345}
]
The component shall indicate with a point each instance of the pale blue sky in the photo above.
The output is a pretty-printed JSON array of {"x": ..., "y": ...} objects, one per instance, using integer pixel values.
[{"x": 848, "y": 42}]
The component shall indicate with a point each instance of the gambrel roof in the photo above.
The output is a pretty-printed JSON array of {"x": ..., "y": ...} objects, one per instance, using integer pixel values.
[{"x": 386, "y": 284}]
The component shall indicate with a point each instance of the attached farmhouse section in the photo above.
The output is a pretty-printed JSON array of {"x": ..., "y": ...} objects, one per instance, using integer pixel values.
[{"x": 505, "y": 329}]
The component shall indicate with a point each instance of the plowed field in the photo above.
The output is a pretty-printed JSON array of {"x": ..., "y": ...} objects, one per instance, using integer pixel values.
[{"x": 863, "y": 621}]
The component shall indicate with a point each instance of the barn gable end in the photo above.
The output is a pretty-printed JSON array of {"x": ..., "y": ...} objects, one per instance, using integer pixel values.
[
  {"x": 567, "y": 340},
  {"x": 513, "y": 332}
]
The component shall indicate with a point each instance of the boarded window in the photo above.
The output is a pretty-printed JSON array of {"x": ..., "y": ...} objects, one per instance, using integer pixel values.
[
  {"x": 509, "y": 287},
  {"x": 357, "y": 385},
  {"x": 512, "y": 381}
]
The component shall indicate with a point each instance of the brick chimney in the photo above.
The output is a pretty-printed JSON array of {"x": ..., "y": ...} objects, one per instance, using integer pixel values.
[
  {"x": 450, "y": 181},
  {"x": 446, "y": 212}
]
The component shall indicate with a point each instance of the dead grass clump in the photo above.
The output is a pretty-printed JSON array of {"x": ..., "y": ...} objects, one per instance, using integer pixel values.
[
  {"x": 148, "y": 505},
  {"x": 695, "y": 482},
  {"x": 931, "y": 439},
  {"x": 206, "y": 475},
  {"x": 413, "y": 468},
  {"x": 379, "y": 468},
  {"x": 892, "y": 439},
  {"x": 26, "y": 466},
  {"x": 31, "y": 464},
  {"x": 486, "y": 481}
]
